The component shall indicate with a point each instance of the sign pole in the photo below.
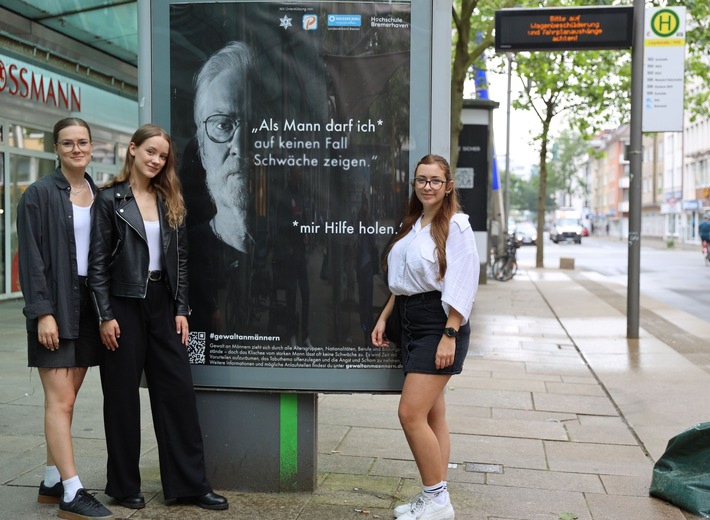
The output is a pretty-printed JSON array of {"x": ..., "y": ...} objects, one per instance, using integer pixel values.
[{"x": 634, "y": 255}]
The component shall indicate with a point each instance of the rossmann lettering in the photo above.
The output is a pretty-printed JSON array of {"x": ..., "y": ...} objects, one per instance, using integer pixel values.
[{"x": 25, "y": 83}]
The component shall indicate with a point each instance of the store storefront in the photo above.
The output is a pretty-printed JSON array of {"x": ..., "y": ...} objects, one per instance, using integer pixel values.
[{"x": 32, "y": 99}]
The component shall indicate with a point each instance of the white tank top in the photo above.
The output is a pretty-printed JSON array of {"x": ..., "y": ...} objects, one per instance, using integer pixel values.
[
  {"x": 152, "y": 233},
  {"x": 82, "y": 233}
]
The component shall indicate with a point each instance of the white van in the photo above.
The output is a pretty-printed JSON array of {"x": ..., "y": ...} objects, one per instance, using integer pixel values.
[{"x": 566, "y": 226}]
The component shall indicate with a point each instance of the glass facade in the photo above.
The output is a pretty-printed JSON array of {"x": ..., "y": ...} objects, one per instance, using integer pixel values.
[{"x": 26, "y": 155}]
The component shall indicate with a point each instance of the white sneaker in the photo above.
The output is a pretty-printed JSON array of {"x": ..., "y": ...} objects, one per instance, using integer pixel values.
[
  {"x": 406, "y": 508},
  {"x": 424, "y": 508}
]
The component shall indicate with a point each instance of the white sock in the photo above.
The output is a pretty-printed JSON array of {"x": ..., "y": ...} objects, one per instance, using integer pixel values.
[
  {"x": 437, "y": 493},
  {"x": 446, "y": 490},
  {"x": 71, "y": 486},
  {"x": 51, "y": 476}
]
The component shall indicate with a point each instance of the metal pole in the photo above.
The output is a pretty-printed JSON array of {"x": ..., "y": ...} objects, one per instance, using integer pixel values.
[
  {"x": 145, "y": 62},
  {"x": 634, "y": 256},
  {"x": 506, "y": 186}
]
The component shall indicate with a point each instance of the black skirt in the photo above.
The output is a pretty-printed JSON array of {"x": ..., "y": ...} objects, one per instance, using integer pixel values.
[{"x": 83, "y": 351}]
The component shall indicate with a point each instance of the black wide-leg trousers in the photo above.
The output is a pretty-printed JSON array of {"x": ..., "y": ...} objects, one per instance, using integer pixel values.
[{"x": 149, "y": 342}]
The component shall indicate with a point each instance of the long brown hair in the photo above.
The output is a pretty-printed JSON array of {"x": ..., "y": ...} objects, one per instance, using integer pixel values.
[
  {"x": 166, "y": 183},
  {"x": 440, "y": 224}
]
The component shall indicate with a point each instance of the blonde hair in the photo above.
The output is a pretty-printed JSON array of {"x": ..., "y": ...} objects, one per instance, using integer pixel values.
[
  {"x": 440, "y": 224},
  {"x": 166, "y": 183}
]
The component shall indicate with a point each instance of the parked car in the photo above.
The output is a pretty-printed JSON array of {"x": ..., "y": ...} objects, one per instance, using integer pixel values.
[{"x": 525, "y": 233}]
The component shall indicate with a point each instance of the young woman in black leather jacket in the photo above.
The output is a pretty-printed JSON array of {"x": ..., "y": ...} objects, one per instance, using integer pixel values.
[{"x": 138, "y": 275}]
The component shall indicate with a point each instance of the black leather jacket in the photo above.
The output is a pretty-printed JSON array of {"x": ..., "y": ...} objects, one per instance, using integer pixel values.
[{"x": 119, "y": 256}]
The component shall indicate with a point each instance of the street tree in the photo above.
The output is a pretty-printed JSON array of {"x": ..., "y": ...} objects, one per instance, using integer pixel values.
[
  {"x": 473, "y": 25},
  {"x": 591, "y": 88}
]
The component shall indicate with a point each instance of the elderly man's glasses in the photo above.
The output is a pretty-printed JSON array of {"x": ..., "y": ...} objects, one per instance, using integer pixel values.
[
  {"x": 68, "y": 146},
  {"x": 220, "y": 128},
  {"x": 421, "y": 182}
]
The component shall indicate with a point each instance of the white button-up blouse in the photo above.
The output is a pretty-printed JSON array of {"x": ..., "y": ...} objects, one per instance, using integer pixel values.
[{"x": 413, "y": 268}]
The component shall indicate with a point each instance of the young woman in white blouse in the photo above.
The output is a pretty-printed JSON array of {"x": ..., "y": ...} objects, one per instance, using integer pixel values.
[
  {"x": 433, "y": 266},
  {"x": 138, "y": 274}
]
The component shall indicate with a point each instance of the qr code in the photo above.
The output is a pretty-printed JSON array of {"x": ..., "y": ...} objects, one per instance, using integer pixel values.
[{"x": 196, "y": 348}]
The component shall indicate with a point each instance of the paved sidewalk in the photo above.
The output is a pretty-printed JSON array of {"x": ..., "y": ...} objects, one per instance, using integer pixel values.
[{"x": 556, "y": 416}]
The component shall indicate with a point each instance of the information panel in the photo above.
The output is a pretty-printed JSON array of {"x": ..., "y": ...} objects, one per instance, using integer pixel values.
[
  {"x": 557, "y": 29},
  {"x": 663, "y": 69},
  {"x": 292, "y": 121}
]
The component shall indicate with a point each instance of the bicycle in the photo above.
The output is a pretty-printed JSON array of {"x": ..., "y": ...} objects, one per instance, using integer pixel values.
[{"x": 506, "y": 265}]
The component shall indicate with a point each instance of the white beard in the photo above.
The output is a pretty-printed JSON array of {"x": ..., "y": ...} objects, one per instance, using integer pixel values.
[{"x": 228, "y": 187}]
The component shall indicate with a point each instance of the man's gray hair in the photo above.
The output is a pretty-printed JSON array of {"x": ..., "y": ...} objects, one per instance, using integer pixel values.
[{"x": 233, "y": 56}]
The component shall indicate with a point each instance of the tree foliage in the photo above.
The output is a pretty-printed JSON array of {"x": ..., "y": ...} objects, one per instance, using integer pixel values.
[
  {"x": 570, "y": 151},
  {"x": 473, "y": 24},
  {"x": 590, "y": 88}
]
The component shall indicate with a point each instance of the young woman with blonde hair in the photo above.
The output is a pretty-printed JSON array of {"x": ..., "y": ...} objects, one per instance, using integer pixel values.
[{"x": 138, "y": 274}]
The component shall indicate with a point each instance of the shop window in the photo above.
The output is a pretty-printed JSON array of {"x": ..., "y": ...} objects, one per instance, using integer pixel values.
[
  {"x": 102, "y": 175},
  {"x": 28, "y": 138},
  {"x": 23, "y": 172},
  {"x": 3, "y": 221},
  {"x": 104, "y": 153}
]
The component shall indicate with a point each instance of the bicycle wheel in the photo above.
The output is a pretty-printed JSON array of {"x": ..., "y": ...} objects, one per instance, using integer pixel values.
[
  {"x": 504, "y": 268},
  {"x": 498, "y": 266},
  {"x": 509, "y": 270}
]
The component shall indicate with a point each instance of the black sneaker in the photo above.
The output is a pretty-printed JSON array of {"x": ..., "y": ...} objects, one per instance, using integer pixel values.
[
  {"x": 84, "y": 507},
  {"x": 50, "y": 495}
]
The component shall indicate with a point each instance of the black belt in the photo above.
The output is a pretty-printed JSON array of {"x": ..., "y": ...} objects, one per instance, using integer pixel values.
[
  {"x": 431, "y": 295},
  {"x": 83, "y": 280},
  {"x": 155, "y": 276}
]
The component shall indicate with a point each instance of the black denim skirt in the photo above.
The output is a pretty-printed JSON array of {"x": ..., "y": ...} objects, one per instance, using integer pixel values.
[{"x": 423, "y": 323}]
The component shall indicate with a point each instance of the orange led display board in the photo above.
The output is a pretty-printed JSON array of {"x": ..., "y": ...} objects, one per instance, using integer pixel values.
[{"x": 557, "y": 29}]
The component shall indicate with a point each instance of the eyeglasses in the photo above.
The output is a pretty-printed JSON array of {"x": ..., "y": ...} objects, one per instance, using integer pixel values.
[
  {"x": 421, "y": 182},
  {"x": 220, "y": 128},
  {"x": 68, "y": 146}
]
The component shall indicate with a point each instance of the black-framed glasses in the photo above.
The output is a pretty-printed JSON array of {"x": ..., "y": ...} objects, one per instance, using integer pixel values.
[
  {"x": 220, "y": 128},
  {"x": 68, "y": 146},
  {"x": 421, "y": 182}
]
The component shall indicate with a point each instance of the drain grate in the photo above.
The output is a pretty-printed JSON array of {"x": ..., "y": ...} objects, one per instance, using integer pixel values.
[{"x": 476, "y": 467}]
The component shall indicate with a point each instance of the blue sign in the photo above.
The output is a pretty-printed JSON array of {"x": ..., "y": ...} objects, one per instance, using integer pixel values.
[{"x": 344, "y": 20}]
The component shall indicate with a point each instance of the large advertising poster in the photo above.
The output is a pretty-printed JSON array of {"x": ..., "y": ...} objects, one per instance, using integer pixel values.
[{"x": 292, "y": 125}]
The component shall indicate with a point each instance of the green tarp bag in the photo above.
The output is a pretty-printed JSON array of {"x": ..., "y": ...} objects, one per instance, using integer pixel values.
[{"x": 682, "y": 474}]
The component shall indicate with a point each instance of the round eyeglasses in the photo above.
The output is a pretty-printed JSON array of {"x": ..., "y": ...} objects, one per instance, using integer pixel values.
[
  {"x": 83, "y": 145},
  {"x": 221, "y": 128},
  {"x": 421, "y": 182}
]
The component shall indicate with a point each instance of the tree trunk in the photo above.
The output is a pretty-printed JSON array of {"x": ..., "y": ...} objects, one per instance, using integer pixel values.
[{"x": 542, "y": 191}]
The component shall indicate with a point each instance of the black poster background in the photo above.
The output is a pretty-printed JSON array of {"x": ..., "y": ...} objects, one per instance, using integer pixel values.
[{"x": 327, "y": 130}]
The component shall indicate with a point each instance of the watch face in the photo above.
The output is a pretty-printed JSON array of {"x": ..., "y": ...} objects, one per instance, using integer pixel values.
[{"x": 451, "y": 332}]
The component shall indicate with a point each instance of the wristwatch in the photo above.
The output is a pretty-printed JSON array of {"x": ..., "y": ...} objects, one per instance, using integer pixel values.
[{"x": 451, "y": 332}]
